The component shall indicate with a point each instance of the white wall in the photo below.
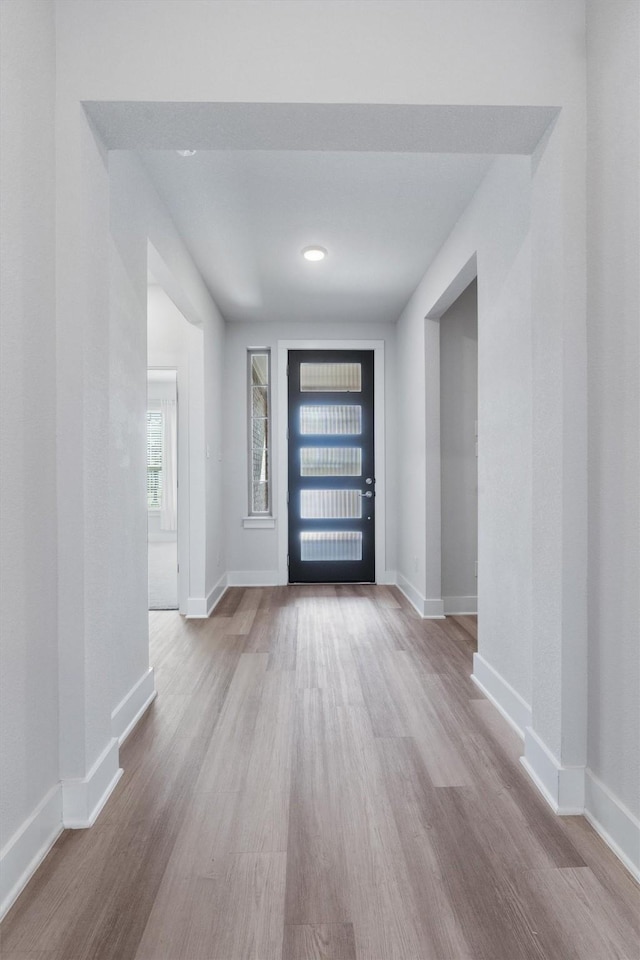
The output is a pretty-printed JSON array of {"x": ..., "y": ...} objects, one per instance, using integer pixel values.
[
  {"x": 28, "y": 538},
  {"x": 614, "y": 426},
  {"x": 459, "y": 467},
  {"x": 490, "y": 52},
  {"x": 256, "y": 550}
]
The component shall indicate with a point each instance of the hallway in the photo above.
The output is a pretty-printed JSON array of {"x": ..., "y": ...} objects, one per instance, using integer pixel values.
[{"x": 319, "y": 778}]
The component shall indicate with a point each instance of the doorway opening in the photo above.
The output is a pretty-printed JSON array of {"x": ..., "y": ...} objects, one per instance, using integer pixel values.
[
  {"x": 162, "y": 488},
  {"x": 459, "y": 453}
]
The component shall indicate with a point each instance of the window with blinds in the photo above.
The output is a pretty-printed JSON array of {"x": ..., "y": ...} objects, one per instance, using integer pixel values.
[
  {"x": 259, "y": 403},
  {"x": 154, "y": 459}
]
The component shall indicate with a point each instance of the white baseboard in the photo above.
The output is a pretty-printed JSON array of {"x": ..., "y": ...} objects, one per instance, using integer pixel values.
[
  {"x": 84, "y": 798},
  {"x": 428, "y": 609},
  {"x": 199, "y": 608},
  {"x": 569, "y": 791},
  {"x": 617, "y": 826},
  {"x": 196, "y": 608},
  {"x": 433, "y": 609},
  {"x": 502, "y": 695},
  {"x": 253, "y": 578},
  {"x": 27, "y": 848},
  {"x": 459, "y": 605},
  {"x": 216, "y": 595},
  {"x": 562, "y": 787},
  {"x": 131, "y": 708},
  {"x": 414, "y": 597}
]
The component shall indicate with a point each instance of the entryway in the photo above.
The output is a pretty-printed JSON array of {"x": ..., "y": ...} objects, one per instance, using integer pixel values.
[{"x": 331, "y": 466}]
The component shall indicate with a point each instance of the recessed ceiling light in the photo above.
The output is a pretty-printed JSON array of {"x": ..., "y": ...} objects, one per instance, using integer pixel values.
[
  {"x": 314, "y": 253},
  {"x": 185, "y": 153}
]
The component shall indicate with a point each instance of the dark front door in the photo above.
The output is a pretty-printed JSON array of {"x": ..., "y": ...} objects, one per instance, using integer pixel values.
[{"x": 331, "y": 467}]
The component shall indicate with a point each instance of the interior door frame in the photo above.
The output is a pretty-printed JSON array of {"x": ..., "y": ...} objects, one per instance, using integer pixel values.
[
  {"x": 182, "y": 503},
  {"x": 280, "y": 437}
]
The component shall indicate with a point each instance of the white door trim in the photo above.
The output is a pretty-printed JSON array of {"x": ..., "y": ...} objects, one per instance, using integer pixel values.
[{"x": 280, "y": 436}]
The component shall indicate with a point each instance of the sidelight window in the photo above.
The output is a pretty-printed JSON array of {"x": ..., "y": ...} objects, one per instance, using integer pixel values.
[
  {"x": 259, "y": 406},
  {"x": 154, "y": 459}
]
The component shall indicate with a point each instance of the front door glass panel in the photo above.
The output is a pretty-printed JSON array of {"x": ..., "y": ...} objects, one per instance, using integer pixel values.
[
  {"x": 330, "y": 504},
  {"x": 331, "y": 546},
  {"x": 330, "y": 377},
  {"x": 330, "y": 462},
  {"x": 331, "y": 420}
]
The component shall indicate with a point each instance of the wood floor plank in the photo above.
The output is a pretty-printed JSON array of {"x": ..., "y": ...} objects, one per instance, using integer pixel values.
[
  {"x": 488, "y": 915},
  {"x": 441, "y": 934},
  {"x": 283, "y": 648},
  {"x": 245, "y": 613},
  {"x": 31, "y": 955},
  {"x": 377, "y": 670},
  {"x": 466, "y": 624},
  {"x": 432, "y": 643},
  {"x": 78, "y": 900},
  {"x": 315, "y": 591},
  {"x": 608, "y": 870},
  {"x": 320, "y": 941},
  {"x": 386, "y": 920},
  {"x": 259, "y": 637},
  {"x": 228, "y": 603},
  {"x": 225, "y": 764},
  {"x": 387, "y": 597},
  {"x": 255, "y": 817},
  {"x": 443, "y": 761},
  {"x": 366, "y": 622},
  {"x": 317, "y": 889},
  {"x": 574, "y": 916},
  {"x": 319, "y": 778},
  {"x": 502, "y": 782},
  {"x": 236, "y": 914},
  {"x": 325, "y": 659}
]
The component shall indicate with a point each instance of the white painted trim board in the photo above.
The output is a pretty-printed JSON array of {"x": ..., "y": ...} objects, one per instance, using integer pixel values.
[
  {"x": 502, "y": 695},
  {"x": 131, "y": 708},
  {"x": 26, "y": 849},
  {"x": 569, "y": 791},
  {"x": 199, "y": 608},
  {"x": 428, "y": 609},
  {"x": 562, "y": 787},
  {"x": 458, "y": 606},
  {"x": 84, "y": 797},
  {"x": 614, "y": 822}
]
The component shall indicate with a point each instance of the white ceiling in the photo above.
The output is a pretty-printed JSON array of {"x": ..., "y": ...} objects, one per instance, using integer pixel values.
[
  {"x": 246, "y": 215},
  {"x": 379, "y": 185}
]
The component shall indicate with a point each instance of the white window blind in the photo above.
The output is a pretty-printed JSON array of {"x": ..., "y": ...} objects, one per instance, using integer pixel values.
[
  {"x": 154, "y": 459},
  {"x": 259, "y": 432}
]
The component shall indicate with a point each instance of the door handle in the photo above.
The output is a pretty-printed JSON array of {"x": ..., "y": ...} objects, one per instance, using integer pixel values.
[{"x": 368, "y": 494}]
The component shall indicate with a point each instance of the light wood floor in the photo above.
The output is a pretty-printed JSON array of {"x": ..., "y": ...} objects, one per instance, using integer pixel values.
[{"x": 319, "y": 778}]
